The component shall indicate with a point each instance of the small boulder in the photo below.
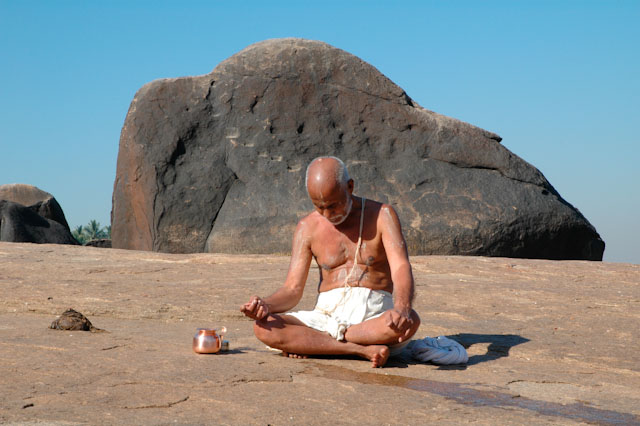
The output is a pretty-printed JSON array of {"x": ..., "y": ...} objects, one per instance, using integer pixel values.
[
  {"x": 73, "y": 320},
  {"x": 101, "y": 243}
]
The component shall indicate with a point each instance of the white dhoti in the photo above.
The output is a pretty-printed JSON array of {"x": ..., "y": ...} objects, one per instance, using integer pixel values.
[{"x": 338, "y": 309}]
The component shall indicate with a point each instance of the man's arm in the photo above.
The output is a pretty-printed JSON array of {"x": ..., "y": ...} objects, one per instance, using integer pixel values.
[
  {"x": 398, "y": 258},
  {"x": 287, "y": 296}
]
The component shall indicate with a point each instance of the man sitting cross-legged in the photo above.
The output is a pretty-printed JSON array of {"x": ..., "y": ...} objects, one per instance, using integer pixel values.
[{"x": 363, "y": 259}]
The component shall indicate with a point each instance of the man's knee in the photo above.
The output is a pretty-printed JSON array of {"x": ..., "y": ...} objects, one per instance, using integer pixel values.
[
  {"x": 260, "y": 329},
  {"x": 266, "y": 330},
  {"x": 395, "y": 333},
  {"x": 415, "y": 318},
  {"x": 415, "y": 322}
]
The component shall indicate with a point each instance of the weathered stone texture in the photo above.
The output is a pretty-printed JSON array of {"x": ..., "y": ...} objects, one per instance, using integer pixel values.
[
  {"x": 30, "y": 215},
  {"x": 38, "y": 200},
  {"x": 216, "y": 162}
]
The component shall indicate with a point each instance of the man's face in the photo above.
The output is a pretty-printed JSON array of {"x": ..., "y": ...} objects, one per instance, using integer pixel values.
[{"x": 334, "y": 206}]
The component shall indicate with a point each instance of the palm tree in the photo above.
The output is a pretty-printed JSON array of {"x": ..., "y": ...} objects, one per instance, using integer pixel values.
[
  {"x": 78, "y": 234},
  {"x": 93, "y": 231}
]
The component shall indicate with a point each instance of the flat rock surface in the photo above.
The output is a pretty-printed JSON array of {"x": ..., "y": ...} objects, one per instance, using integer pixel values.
[{"x": 549, "y": 343}]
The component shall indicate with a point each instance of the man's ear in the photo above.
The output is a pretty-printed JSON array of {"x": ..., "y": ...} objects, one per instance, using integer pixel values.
[{"x": 350, "y": 186}]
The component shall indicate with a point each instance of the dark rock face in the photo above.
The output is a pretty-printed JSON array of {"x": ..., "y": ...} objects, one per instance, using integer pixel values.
[
  {"x": 38, "y": 200},
  {"x": 217, "y": 163},
  {"x": 30, "y": 215},
  {"x": 101, "y": 243},
  {"x": 21, "y": 224}
]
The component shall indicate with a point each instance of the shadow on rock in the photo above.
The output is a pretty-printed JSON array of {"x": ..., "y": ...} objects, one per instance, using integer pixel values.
[
  {"x": 499, "y": 346},
  {"x": 233, "y": 351}
]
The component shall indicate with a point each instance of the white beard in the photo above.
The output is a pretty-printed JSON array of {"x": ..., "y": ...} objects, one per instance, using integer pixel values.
[{"x": 346, "y": 215}]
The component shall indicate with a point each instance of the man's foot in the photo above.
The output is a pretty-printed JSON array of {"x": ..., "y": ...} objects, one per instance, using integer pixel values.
[
  {"x": 296, "y": 356},
  {"x": 377, "y": 354}
]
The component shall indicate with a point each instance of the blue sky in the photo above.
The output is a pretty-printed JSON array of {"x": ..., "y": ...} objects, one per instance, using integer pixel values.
[{"x": 558, "y": 80}]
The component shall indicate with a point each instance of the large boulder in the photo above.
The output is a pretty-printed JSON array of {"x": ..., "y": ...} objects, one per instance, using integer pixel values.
[
  {"x": 216, "y": 162},
  {"x": 38, "y": 200}
]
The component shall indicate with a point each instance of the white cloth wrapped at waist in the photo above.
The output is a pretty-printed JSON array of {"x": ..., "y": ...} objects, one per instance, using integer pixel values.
[{"x": 338, "y": 309}]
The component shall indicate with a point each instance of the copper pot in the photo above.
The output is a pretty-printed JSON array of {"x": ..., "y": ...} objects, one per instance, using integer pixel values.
[{"x": 206, "y": 341}]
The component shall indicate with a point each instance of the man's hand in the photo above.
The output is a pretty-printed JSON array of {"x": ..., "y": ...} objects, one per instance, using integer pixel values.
[
  {"x": 255, "y": 308},
  {"x": 399, "y": 320}
]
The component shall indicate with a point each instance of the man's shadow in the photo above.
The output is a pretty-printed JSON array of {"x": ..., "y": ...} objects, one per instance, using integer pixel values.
[{"x": 499, "y": 346}]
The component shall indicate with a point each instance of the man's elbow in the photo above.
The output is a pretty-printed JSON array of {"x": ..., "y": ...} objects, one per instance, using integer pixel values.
[{"x": 293, "y": 295}]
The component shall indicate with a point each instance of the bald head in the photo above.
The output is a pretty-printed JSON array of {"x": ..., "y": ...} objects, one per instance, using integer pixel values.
[
  {"x": 330, "y": 188},
  {"x": 326, "y": 174}
]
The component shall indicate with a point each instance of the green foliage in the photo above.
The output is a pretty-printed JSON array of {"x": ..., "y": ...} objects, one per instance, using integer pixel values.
[{"x": 91, "y": 231}]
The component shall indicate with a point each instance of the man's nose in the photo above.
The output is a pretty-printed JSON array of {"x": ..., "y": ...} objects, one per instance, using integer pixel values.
[{"x": 327, "y": 213}]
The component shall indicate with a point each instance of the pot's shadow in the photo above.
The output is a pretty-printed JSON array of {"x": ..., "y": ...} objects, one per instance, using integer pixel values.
[{"x": 231, "y": 352}]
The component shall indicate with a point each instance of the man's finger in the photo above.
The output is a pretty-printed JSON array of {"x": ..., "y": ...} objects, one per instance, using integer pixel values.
[
  {"x": 395, "y": 325},
  {"x": 248, "y": 314},
  {"x": 389, "y": 322},
  {"x": 394, "y": 319},
  {"x": 407, "y": 332}
]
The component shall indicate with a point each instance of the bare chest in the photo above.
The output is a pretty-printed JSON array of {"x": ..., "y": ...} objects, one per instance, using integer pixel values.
[{"x": 334, "y": 249}]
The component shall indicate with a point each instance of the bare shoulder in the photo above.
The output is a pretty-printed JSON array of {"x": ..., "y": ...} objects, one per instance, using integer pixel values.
[
  {"x": 310, "y": 220},
  {"x": 388, "y": 214},
  {"x": 392, "y": 235},
  {"x": 308, "y": 224}
]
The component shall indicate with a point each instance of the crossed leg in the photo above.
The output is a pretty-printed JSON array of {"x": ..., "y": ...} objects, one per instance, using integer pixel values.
[
  {"x": 293, "y": 337},
  {"x": 367, "y": 340},
  {"x": 380, "y": 330}
]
